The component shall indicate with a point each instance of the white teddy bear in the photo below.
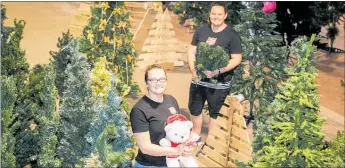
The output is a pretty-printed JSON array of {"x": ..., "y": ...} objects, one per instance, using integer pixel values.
[{"x": 178, "y": 130}]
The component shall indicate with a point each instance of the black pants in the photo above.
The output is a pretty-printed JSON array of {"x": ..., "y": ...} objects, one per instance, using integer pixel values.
[{"x": 199, "y": 94}]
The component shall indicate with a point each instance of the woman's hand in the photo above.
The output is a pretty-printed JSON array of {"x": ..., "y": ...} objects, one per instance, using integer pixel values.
[
  {"x": 195, "y": 77},
  {"x": 180, "y": 149},
  {"x": 188, "y": 150},
  {"x": 211, "y": 74}
]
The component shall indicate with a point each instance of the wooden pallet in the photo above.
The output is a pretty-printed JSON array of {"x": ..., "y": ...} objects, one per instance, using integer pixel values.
[{"x": 228, "y": 140}]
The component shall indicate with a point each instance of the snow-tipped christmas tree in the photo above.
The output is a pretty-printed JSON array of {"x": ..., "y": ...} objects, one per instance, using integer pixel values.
[
  {"x": 295, "y": 137},
  {"x": 76, "y": 110},
  {"x": 8, "y": 99},
  {"x": 108, "y": 35},
  {"x": 264, "y": 59},
  {"x": 60, "y": 59},
  {"x": 110, "y": 134},
  {"x": 48, "y": 120}
]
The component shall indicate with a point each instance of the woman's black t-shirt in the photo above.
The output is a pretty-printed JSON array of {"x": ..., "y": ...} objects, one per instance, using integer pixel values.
[
  {"x": 148, "y": 115},
  {"x": 228, "y": 39}
]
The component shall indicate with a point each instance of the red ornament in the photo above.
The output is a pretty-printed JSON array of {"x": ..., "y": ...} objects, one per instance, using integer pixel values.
[{"x": 269, "y": 6}]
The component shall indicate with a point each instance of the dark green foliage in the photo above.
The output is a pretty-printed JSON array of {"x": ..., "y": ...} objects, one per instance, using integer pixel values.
[
  {"x": 13, "y": 62},
  {"x": 27, "y": 136},
  {"x": 61, "y": 60},
  {"x": 76, "y": 111},
  {"x": 8, "y": 98},
  {"x": 264, "y": 59}
]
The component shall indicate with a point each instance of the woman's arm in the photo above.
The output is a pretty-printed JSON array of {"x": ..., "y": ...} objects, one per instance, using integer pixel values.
[
  {"x": 145, "y": 145},
  {"x": 191, "y": 60}
]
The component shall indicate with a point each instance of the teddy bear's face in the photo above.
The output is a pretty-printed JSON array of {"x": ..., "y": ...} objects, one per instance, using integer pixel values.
[{"x": 178, "y": 131}]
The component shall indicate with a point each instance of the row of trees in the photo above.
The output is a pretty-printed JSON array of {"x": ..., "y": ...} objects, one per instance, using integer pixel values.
[
  {"x": 283, "y": 96},
  {"x": 295, "y": 19},
  {"x": 70, "y": 112}
]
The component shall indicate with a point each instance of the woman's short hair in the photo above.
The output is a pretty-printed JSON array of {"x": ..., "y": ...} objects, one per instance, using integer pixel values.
[
  {"x": 223, "y": 4},
  {"x": 153, "y": 66}
]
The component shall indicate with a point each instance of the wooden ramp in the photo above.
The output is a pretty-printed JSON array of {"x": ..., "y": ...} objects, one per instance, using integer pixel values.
[
  {"x": 228, "y": 141},
  {"x": 162, "y": 47}
]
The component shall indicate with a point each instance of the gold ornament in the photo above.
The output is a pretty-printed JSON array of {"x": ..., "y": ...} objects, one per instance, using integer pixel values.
[
  {"x": 100, "y": 28},
  {"x": 103, "y": 22},
  {"x": 117, "y": 11},
  {"x": 129, "y": 58},
  {"x": 33, "y": 126},
  {"x": 116, "y": 69},
  {"x": 106, "y": 6},
  {"x": 122, "y": 24},
  {"x": 106, "y": 39},
  {"x": 119, "y": 42}
]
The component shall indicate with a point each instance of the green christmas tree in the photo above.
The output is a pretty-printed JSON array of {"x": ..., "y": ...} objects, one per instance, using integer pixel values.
[
  {"x": 263, "y": 63},
  {"x": 27, "y": 136},
  {"x": 76, "y": 110},
  {"x": 8, "y": 98},
  {"x": 337, "y": 146},
  {"x": 199, "y": 12},
  {"x": 295, "y": 134},
  {"x": 110, "y": 134},
  {"x": 108, "y": 35},
  {"x": 48, "y": 120},
  {"x": 60, "y": 59},
  {"x": 13, "y": 61}
]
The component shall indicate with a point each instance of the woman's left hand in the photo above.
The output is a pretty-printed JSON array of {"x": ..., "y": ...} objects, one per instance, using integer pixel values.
[
  {"x": 210, "y": 74},
  {"x": 188, "y": 150}
]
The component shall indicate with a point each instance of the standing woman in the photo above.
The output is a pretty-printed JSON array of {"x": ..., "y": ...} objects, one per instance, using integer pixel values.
[
  {"x": 148, "y": 117},
  {"x": 217, "y": 33}
]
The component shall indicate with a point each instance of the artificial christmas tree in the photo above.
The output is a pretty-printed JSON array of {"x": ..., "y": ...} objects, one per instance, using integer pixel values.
[
  {"x": 101, "y": 79},
  {"x": 76, "y": 110},
  {"x": 8, "y": 98},
  {"x": 109, "y": 133},
  {"x": 294, "y": 137},
  {"x": 13, "y": 61},
  {"x": 48, "y": 120},
  {"x": 60, "y": 59},
  {"x": 264, "y": 59},
  {"x": 108, "y": 35},
  {"x": 27, "y": 136}
]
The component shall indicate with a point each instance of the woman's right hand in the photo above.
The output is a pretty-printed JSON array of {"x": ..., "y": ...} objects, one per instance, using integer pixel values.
[{"x": 180, "y": 149}]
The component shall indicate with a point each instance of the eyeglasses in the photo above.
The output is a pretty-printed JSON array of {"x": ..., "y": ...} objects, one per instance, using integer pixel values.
[{"x": 161, "y": 80}]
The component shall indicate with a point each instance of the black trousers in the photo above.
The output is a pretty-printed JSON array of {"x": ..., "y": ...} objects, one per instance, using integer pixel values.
[{"x": 199, "y": 94}]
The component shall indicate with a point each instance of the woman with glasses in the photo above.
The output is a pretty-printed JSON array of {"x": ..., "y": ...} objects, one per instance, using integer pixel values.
[{"x": 148, "y": 117}]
